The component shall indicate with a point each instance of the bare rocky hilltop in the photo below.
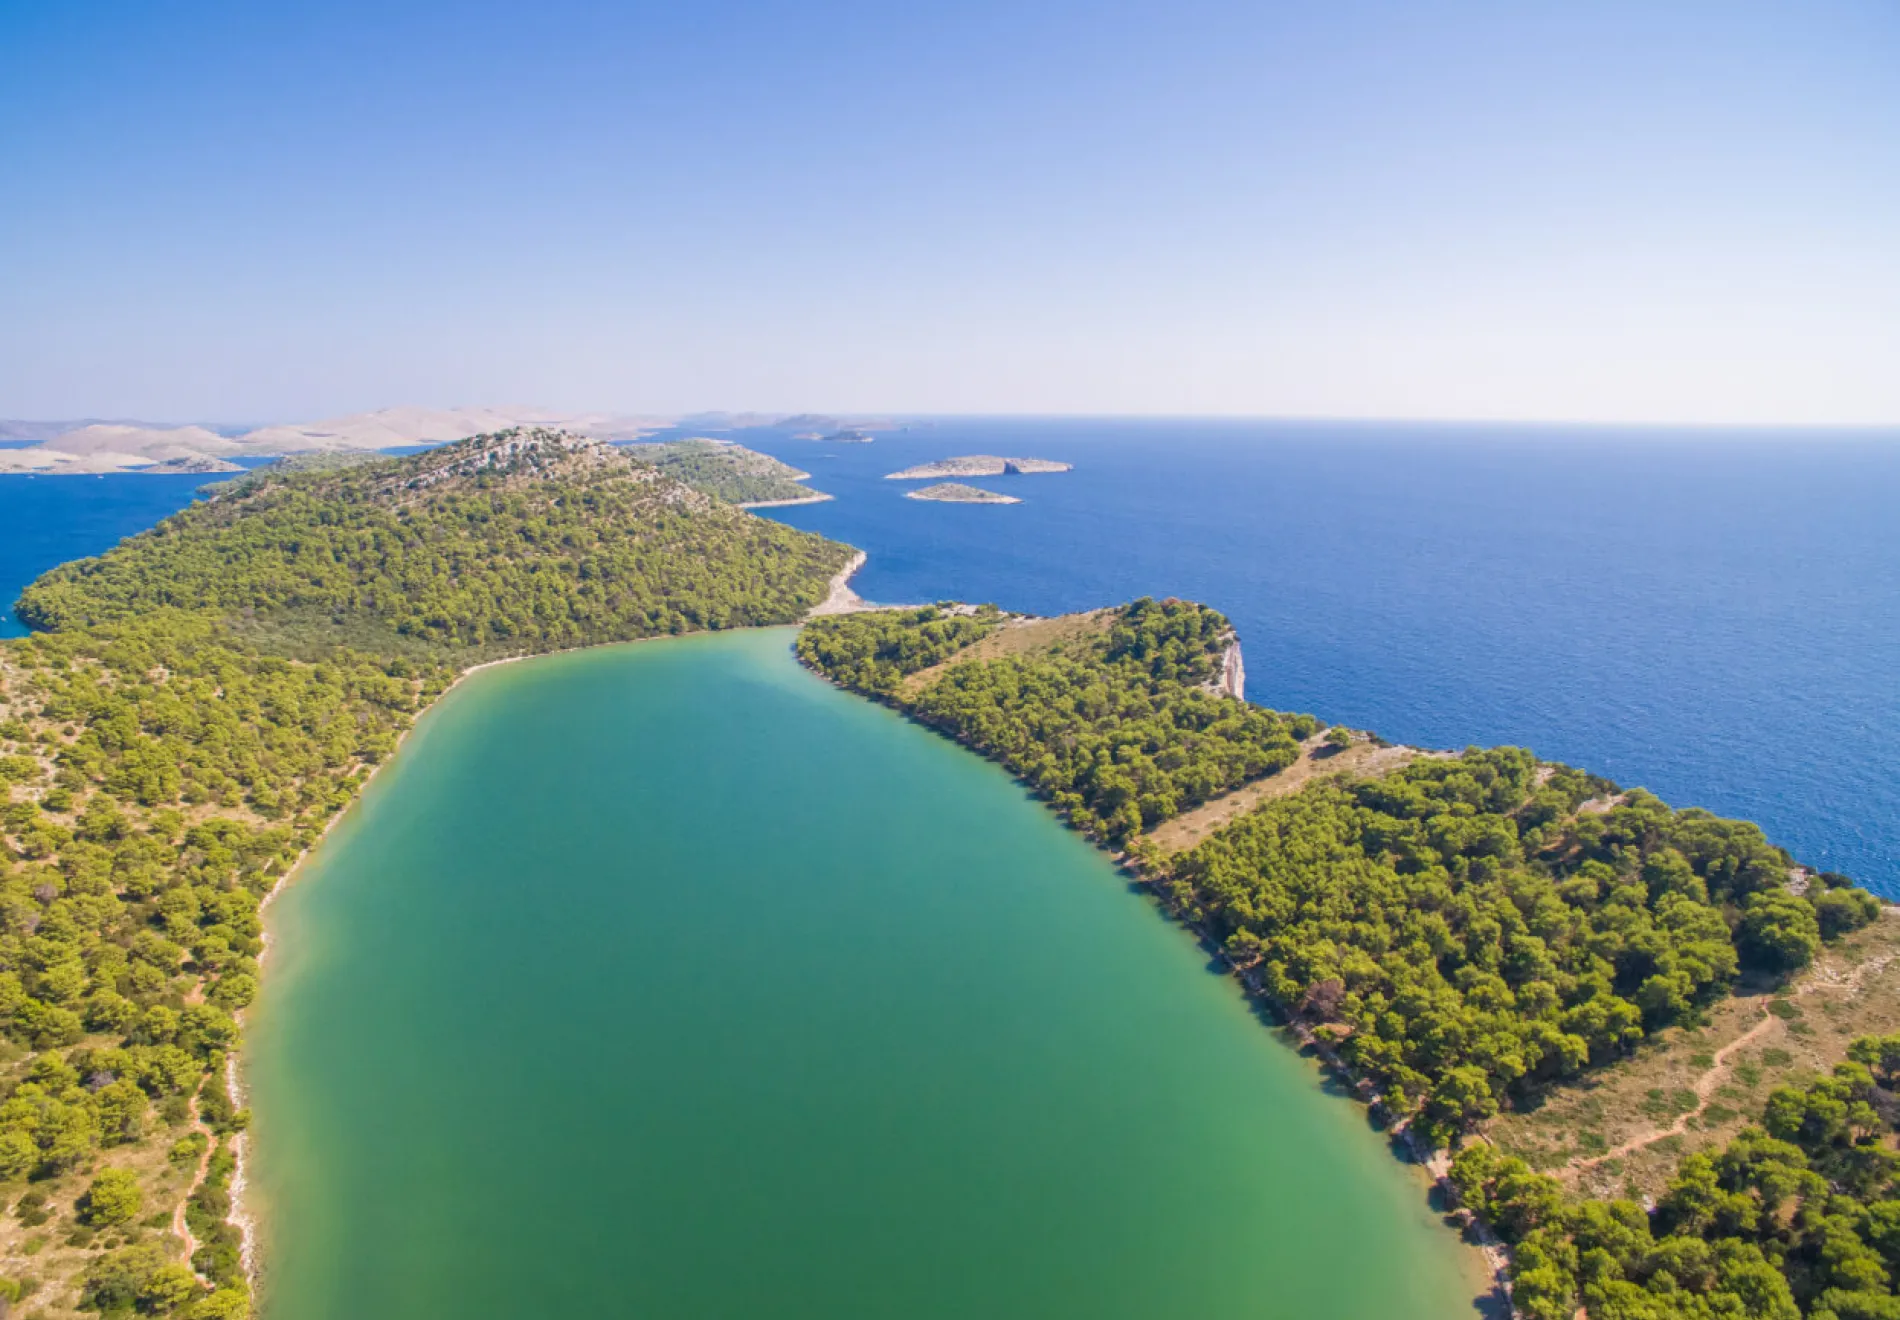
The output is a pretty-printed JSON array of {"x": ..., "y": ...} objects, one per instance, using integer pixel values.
[
  {"x": 95, "y": 445},
  {"x": 91, "y": 447},
  {"x": 978, "y": 465}
]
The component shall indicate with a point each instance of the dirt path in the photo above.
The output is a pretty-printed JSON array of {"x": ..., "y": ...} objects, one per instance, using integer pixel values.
[
  {"x": 1362, "y": 760},
  {"x": 1019, "y": 635},
  {"x": 181, "y": 1228},
  {"x": 1819, "y": 978},
  {"x": 1704, "y": 1088}
]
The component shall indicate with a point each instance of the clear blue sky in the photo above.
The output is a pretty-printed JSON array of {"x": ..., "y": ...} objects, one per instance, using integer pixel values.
[{"x": 1649, "y": 210}]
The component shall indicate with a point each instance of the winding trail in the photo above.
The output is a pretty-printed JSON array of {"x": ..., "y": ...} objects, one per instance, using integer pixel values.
[
  {"x": 1704, "y": 1088},
  {"x": 1817, "y": 979},
  {"x": 181, "y": 1227}
]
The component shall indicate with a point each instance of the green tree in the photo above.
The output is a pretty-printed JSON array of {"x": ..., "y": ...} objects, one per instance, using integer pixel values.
[
  {"x": 1779, "y": 932},
  {"x": 112, "y": 1198},
  {"x": 168, "y": 1288}
]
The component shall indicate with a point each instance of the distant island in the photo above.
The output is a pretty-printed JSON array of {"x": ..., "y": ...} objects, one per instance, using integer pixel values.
[
  {"x": 191, "y": 463},
  {"x": 91, "y": 447},
  {"x": 978, "y": 465},
  {"x": 836, "y": 430},
  {"x": 94, "y": 446},
  {"x": 951, "y": 492}
]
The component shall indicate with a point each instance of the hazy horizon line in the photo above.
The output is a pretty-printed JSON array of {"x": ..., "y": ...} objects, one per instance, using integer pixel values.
[{"x": 876, "y": 414}]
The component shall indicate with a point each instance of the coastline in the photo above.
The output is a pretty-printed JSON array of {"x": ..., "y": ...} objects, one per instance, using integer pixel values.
[
  {"x": 243, "y": 1218},
  {"x": 816, "y": 497},
  {"x": 839, "y": 600},
  {"x": 1474, "y": 1232},
  {"x": 1493, "y": 1255}
]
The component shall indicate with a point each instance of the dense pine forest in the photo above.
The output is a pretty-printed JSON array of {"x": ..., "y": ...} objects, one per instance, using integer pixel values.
[
  {"x": 193, "y": 709},
  {"x": 1461, "y": 934},
  {"x": 1120, "y": 732},
  {"x": 537, "y": 542}
]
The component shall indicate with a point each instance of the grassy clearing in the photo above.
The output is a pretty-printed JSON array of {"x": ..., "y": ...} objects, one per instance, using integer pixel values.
[
  {"x": 1692, "y": 1087},
  {"x": 1318, "y": 760},
  {"x": 1019, "y": 637},
  {"x": 43, "y": 1245}
]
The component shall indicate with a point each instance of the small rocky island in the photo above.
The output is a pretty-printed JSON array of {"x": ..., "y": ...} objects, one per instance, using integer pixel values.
[
  {"x": 951, "y": 492},
  {"x": 729, "y": 472},
  {"x": 978, "y": 465}
]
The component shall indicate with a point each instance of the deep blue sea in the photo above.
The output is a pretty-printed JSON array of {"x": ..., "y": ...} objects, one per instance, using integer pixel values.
[
  {"x": 1712, "y": 615},
  {"x": 48, "y": 520}
]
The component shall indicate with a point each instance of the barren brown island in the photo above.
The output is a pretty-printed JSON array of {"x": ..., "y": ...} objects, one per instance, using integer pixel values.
[
  {"x": 1625, "y": 999},
  {"x": 978, "y": 465}
]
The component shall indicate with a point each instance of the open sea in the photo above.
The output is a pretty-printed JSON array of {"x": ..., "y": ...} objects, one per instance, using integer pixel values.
[{"x": 1714, "y": 615}]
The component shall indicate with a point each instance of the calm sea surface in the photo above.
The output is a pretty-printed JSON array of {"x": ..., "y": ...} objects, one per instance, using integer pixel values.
[
  {"x": 48, "y": 520},
  {"x": 667, "y": 980},
  {"x": 1713, "y": 616}
]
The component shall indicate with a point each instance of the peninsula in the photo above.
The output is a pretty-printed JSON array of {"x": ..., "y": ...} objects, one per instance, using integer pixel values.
[
  {"x": 1470, "y": 940},
  {"x": 978, "y": 465},
  {"x": 951, "y": 492},
  {"x": 192, "y": 711},
  {"x": 729, "y": 471}
]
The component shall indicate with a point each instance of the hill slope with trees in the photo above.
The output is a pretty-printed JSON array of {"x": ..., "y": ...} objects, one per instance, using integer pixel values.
[{"x": 195, "y": 707}]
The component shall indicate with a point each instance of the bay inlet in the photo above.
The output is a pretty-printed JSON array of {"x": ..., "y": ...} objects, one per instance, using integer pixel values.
[{"x": 667, "y": 980}]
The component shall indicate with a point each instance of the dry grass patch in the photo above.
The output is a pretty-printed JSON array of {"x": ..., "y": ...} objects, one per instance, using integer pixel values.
[
  {"x": 1318, "y": 760},
  {"x": 1691, "y": 1088},
  {"x": 42, "y": 1242},
  {"x": 1019, "y": 636}
]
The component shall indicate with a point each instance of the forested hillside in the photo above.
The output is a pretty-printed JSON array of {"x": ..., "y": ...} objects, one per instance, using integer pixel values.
[
  {"x": 196, "y": 706},
  {"x": 1466, "y": 930},
  {"x": 532, "y": 541},
  {"x": 1463, "y": 934},
  {"x": 1119, "y": 732}
]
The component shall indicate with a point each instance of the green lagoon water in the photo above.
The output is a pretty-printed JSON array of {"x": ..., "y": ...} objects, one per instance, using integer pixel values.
[{"x": 667, "y": 981}]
